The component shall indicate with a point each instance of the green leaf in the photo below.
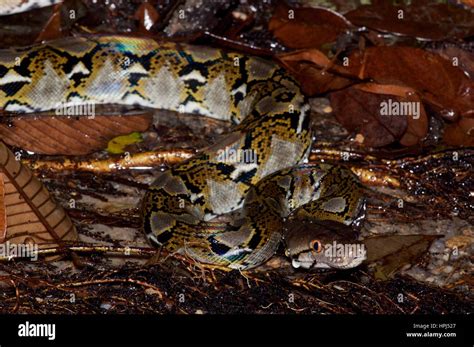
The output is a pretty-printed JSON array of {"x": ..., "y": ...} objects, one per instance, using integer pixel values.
[{"x": 117, "y": 145}]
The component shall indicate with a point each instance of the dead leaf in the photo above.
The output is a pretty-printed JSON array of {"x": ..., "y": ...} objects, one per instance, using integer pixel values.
[
  {"x": 3, "y": 212},
  {"x": 313, "y": 79},
  {"x": 316, "y": 81},
  {"x": 306, "y": 27},
  {"x": 432, "y": 21},
  {"x": 417, "y": 127},
  {"x": 437, "y": 81},
  {"x": 147, "y": 16},
  {"x": 52, "y": 29},
  {"x": 50, "y": 134},
  {"x": 458, "y": 56},
  {"x": 460, "y": 241},
  {"x": 460, "y": 133},
  {"x": 31, "y": 213},
  {"x": 311, "y": 55},
  {"x": 360, "y": 112},
  {"x": 394, "y": 251},
  {"x": 468, "y": 2}
]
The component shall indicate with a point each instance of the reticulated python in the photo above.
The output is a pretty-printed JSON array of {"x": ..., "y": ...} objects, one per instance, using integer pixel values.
[
  {"x": 271, "y": 125},
  {"x": 16, "y": 6}
]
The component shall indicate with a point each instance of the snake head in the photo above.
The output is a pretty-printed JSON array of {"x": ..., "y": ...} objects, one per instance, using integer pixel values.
[{"x": 322, "y": 244}]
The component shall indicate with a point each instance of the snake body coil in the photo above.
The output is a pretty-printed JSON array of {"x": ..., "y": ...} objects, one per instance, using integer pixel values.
[
  {"x": 271, "y": 125},
  {"x": 8, "y": 7}
]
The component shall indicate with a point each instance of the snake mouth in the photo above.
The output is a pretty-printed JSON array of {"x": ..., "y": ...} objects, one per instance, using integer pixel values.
[
  {"x": 323, "y": 245},
  {"x": 309, "y": 260}
]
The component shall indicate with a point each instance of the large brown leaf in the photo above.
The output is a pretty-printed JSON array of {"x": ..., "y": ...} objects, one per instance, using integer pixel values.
[
  {"x": 438, "y": 82},
  {"x": 306, "y": 27},
  {"x": 32, "y": 216},
  {"x": 310, "y": 67},
  {"x": 460, "y": 133},
  {"x": 359, "y": 112},
  {"x": 3, "y": 212},
  {"x": 417, "y": 127},
  {"x": 429, "y": 20},
  {"x": 50, "y": 134},
  {"x": 444, "y": 86},
  {"x": 461, "y": 56},
  {"x": 391, "y": 252},
  {"x": 423, "y": 74}
]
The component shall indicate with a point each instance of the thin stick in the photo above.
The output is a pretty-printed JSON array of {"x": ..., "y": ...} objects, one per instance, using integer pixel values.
[
  {"x": 138, "y": 160},
  {"x": 127, "y": 251},
  {"x": 112, "y": 280}
]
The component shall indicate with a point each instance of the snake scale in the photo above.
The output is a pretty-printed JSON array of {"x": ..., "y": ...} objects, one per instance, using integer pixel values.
[
  {"x": 8, "y": 7},
  {"x": 260, "y": 193}
]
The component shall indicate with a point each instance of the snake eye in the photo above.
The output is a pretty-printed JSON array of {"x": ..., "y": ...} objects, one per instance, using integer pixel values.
[{"x": 316, "y": 246}]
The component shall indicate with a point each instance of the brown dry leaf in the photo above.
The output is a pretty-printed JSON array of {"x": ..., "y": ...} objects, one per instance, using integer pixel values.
[
  {"x": 311, "y": 55},
  {"x": 393, "y": 251},
  {"x": 49, "y": 134},
  {"x": 460, "y": 133},
  {"x": 147, "y": 16},
  {"x": 3, "y": 213},
  {"x": 52, "y": 29},
  {"x": 306, "y": 27},
  {"x": 460, "y": 241},
  {"x": 468, "y": 2},
  {"x": 31, "y": 213},
  {"x": 313, "y": 79},
  {"x": 436, "y": 80},
  {"x": 459, "y": 56},
  {"x": 428, "y": 20},
  {"x": 417, "y": 127},
  {"x": 360, "y": 112}
]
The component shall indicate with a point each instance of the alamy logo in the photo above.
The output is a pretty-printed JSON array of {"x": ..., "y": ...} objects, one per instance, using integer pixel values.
[
  {"x": 37, "y": 330},
  {"x": 400, "y": 108},
  {"x": 340, "y": 250},
  {"x": 18, "y": 250},
  {"x": 76, "y": 109},
  {"x": 231, "y": 155}
]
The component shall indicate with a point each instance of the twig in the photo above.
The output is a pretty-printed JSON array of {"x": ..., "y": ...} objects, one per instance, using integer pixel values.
[
  {"x": 112, "y": 280},
  {"x": 127, "y": 251},
  {"x": 134, "y": 161}
]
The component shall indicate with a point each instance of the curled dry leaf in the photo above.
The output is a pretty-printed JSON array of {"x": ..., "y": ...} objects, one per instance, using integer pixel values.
[
  {"x": 394, "y": 251},
  {"x": 50, "y": 134},
  {"x": 460, "y": 133},
  {"x": 147, "y": 16},
  {"x": 306, "y": 27},
  {"x": 360, "y": 109},
  {"x": 468, "y": 3},
  {"x": 32, "y": 216},
  {"x": 458, "y": 56},
  {"x": 437, "y": 81},
  {"x": 3, "y": 212},
  {"x": 310, "y": 68},
  {"x": 417, "y": 127},
  {"x": 445, "y": 87},
  {"x": 52, "y": 29},
  {"x": 428, "y": 20}
]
